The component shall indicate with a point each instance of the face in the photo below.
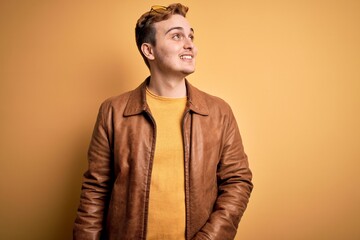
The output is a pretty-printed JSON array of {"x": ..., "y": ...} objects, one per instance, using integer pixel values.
[{"x": 174, "y": 52}]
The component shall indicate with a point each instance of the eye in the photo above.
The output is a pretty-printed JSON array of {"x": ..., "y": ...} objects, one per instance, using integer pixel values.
[
  {"x": 176, "y": 36},
  {"x": 192, "y": 37}
]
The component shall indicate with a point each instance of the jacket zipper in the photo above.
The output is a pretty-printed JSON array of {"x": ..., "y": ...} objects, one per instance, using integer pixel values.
[
  {"x": 186, "y": 172},
  {"x": 148, "y": 183}
]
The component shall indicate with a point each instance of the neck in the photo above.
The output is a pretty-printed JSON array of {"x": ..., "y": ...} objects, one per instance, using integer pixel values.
[{"x": 167, "y": 87}]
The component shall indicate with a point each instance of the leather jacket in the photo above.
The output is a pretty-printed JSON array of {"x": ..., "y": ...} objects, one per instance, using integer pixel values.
[{"x": 115, "y": 190}]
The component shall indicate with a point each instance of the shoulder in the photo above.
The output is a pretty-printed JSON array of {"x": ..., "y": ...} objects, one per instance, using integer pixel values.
[
  {"x": 115, "y": 102},
  {"x": 216, "y": 101},
  {"x": 128, "y": 103},
  {"x": 209, "y": 101}
]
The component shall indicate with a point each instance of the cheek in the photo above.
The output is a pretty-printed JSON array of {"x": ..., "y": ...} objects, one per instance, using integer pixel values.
[{"x": 168, "y": 52}]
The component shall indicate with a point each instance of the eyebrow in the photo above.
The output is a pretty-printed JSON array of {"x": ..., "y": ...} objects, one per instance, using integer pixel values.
[{"x": 178, "y": 28}]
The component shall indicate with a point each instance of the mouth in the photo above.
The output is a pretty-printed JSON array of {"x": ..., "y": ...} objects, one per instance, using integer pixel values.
[{"x": 186, "y": 56}]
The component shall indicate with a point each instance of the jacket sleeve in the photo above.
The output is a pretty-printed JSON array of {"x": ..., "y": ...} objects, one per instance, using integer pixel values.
[
  {"x": 96, "y": 185},
  {"x": 234, "y": 187}
]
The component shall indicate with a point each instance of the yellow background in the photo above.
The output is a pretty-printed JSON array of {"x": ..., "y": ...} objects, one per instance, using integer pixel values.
[{"x": 289, "y": 69}]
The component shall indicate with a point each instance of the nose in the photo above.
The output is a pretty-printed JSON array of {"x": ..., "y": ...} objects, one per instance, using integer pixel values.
[{"x": 188, "y": 44}]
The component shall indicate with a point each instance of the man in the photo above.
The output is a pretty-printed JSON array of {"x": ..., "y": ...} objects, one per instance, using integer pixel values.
[{"x": 166, "y": 160}]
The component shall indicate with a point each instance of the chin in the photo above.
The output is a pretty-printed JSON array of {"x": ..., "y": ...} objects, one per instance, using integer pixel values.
[{"x": 188, "y": 71}]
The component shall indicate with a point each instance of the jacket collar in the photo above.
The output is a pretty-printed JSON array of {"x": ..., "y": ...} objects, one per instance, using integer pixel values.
[{"x": 137, "y": 100}]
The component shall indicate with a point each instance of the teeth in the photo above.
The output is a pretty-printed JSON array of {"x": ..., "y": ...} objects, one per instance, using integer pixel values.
[{"x": 186, "y": 57}]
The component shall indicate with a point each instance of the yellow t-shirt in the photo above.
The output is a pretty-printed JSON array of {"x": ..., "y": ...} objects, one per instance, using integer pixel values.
[{"x": 166, "y": 217}]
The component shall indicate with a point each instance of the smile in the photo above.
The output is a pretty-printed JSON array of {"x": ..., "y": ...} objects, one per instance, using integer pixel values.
[{"x": 187, "y": 57}]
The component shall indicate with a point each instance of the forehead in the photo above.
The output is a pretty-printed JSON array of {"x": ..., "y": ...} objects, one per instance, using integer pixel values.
[{"x": 175, "y": 21}]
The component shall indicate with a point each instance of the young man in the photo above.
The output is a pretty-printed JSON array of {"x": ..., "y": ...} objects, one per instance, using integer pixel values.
[{"x": 166, "y": 160}]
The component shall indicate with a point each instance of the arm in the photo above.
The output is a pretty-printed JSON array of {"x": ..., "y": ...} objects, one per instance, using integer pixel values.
[
  {"x": 234, "y": 187},
  {"x": 96, "y": 185}
]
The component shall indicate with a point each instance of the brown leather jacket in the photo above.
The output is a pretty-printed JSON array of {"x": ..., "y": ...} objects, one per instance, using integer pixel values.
[{"x": 115, "y": 191}]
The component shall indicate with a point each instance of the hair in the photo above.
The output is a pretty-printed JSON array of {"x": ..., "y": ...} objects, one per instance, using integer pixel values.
[{"x": 145, "y": 31}]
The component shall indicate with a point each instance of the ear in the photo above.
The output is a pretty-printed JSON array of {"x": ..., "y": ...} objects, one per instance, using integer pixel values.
[{"x": 147, "y": 50}]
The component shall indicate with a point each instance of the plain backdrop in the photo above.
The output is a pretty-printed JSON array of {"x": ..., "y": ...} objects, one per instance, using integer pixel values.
[{"x": 290, "y": 69}]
